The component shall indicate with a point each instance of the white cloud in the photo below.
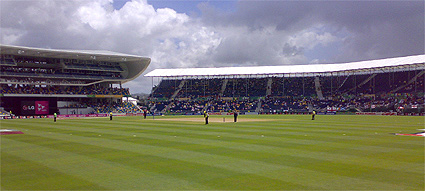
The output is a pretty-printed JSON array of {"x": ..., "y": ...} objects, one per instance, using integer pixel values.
[
  {"x": 310, "y": 39},
  {"x": 171, "y": 39},
  {"x": 95, "y": 14}
]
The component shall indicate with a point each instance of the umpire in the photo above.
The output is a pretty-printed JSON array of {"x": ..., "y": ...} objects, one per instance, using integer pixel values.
[{"x": 235, "y": 116}]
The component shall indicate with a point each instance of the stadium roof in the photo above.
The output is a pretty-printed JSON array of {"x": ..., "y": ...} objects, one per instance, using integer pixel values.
[
  {"x": 100, "y": 55},
  {"x": 135, "y": 65},
  {"x": 398, "y": 63}
]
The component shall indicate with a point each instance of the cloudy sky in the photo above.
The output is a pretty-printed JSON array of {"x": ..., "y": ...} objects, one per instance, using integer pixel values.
[{"x": 217, "y": 33}]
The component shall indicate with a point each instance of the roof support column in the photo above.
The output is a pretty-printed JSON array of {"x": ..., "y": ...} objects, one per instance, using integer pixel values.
[
  {"x": 415, "y": 81},
  {"x": 246, "y": 86},
  {"x": 355, "y": 85},
  {"x": 374, "y": 83},
  {"x": 331, "y": 86},
  {"x": 283, "y": 86},
  {"x": 303, "y": 85}
]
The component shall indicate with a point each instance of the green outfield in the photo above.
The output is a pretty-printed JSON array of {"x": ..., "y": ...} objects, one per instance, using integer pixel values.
[{"x": 267, "y": 152}]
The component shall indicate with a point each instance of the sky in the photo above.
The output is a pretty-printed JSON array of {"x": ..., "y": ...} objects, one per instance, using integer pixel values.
[{"x": 219, "y": 33}]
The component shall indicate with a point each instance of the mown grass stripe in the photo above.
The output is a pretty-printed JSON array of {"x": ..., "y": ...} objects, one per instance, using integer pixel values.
[
  {"x": 339, "y": 141},
  {"x": 195, "y": 172},
  {"x": 28, "y": 175},
  {"x": 386, "y": 167},
  {"x": 336, "y": 134},
  {"x": 281, "y": 172},
  {"x": 337, "y": 155},
  {"x": 312, "y": 133},
  {"x": 103, "y": 173},
  {"x": 332, "y": 155}
]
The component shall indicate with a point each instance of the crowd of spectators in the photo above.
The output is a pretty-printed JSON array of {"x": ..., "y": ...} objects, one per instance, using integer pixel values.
[
  {"x": 165, "y": 89},
  {"x": 200, "y": 88},
  {"x": 120, "y": 107},
  {"x": 284, "y": 104},
  {"x": 196, "y": 106},
  {"x": 157, "y": 105},
  {"x": 396, "y": 91},
  {"x": 52, "y": 68},
  {"x": 246, "y": 87},
  {"x": 296, "y": 86},
  {"x": 104, "y": 106},
  {"x": 293, "y": 86},
  {"x": 14, "y": 71},
  {"x": 69, "y": 90},
  {"x": 221, "y": 105},
  {"x": 399, "y": 102},
  {"x": 189, "y": 106}
]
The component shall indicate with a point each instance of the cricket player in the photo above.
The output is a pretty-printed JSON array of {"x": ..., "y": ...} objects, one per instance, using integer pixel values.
[{"x": 206, "y": 115}]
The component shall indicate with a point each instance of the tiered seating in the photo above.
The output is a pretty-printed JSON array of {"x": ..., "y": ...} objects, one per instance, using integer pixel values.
[
  {"x": 7, "y": 61},
  {"x": 187, "y": 106},
  {"x": 122, "y": 107},
  {"x": 165, "y": 89},
  {"x": 298, "y": 94},
  {"x": 232, "y": 105},
  {"x": 195, "y": 88},
  {"x": 74, "y": 90}
]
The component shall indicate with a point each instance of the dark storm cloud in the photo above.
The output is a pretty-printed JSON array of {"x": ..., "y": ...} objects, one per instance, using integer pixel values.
[
  {"x": 374, "y": 29},
  {"x": 258, "y": 14}
]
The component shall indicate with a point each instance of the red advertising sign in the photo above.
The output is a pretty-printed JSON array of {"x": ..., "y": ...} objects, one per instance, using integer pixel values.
[{"x": 41, "y": 107}]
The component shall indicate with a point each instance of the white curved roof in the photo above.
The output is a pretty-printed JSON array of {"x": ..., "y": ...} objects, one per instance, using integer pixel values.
[
  {"x": 292, "y": 69},
  {"x": 136, "y": 65}
]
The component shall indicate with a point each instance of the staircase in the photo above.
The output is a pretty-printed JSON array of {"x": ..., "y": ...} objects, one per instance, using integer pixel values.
[
  {"x": 260, "y": 101},
  {"x": 410, "y": 81},
  {"x": 342, "y": 84},
  {"x": 179, "y": 88},
  {"x": 364, "y": 82},
  {"x": 318, "y": 88},
  {"x": 269, "y": 87},
  {"x": 367, "y": 80},
  {"x": 223, "y": 87}
]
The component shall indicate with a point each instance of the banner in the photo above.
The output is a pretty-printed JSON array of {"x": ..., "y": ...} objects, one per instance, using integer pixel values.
[
  {"x": 27, "y": 107},
  {"x": 80, "y": 115},
  {"x": 376, "y": 113},
  {"x": 41, "y": 107},
  {"x": 35, "y": 107}
]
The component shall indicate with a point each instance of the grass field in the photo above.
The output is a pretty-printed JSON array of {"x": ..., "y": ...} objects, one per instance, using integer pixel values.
[{"x": 272, "y": 152}]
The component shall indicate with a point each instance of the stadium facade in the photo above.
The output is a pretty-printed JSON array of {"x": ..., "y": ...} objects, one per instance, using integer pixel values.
[
  {"x": 36, "y": 81},
  {"x": 391, "y": 84}
]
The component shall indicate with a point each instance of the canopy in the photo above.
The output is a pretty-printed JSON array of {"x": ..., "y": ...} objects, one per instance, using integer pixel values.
[{"x": 398, "y": 63}]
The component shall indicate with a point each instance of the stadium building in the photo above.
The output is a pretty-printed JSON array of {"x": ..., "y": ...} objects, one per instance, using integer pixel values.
[
  {"x": 40, "y": 82},
  {"x": 393, "y": 85}
]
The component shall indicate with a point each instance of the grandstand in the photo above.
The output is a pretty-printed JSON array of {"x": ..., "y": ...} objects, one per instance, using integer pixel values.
[
  {"x": 38, "y": 82},
  {"x": 384, "y": 85}
]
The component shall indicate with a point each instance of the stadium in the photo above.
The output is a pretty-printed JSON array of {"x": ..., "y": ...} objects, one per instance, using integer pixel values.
[
  {"x": 40, "y": 82},
  {"x": 70, "y": 82},
  {"x": 368, "y": 136},
  {"x": 392, "y": 85}
]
